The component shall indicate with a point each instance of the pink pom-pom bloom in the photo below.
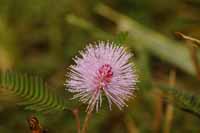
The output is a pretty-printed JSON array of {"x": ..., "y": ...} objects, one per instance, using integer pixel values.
[{"x": 102, "y": 68}]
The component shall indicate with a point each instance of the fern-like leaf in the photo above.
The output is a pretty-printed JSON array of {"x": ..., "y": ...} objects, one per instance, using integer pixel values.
[
  {"x": 184, "y": 99},
  {"x": 32, "y": 92}
]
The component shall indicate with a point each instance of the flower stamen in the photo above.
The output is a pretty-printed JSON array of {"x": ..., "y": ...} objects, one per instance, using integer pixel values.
[{"x": 104, "y": 75}]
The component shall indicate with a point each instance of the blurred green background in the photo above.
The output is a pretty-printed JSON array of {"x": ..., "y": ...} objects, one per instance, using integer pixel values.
[{"x": 41, "y": 37}]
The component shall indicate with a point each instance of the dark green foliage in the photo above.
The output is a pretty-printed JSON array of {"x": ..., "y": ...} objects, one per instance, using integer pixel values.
[
  {"x": 32, "y": 91},
  {"x": 184, "y": 99}
]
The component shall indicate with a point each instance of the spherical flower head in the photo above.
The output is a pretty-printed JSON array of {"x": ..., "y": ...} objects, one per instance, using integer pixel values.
[{"x": 102, "y": 68}]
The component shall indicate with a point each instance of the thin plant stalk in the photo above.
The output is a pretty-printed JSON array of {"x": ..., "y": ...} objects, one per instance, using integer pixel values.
[
  {"x": 76, "y": 115},
  {"x": 158, "y": 112},
  {"x": 191, "y": 39},
  {"x": 194, "y": 58},
  {"x": 86, "y": 122},
  {"x": 170, "y": 109}
]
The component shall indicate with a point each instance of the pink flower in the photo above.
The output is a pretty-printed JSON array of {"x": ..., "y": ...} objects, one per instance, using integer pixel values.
[{"x": 102, "y": 68}]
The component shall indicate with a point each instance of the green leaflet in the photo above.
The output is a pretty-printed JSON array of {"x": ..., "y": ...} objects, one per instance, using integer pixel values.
[
  {"x": 32, "y": 92},
  {"x": 184, "y": 99}
]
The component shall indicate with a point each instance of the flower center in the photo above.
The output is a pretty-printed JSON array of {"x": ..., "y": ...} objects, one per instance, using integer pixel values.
[{"x": 105, "y": 75}]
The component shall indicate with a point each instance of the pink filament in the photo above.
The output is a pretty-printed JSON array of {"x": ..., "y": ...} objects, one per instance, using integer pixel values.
[{"x": 104, "y": 75}]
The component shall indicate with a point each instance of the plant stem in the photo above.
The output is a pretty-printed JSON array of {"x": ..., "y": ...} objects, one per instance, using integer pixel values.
[
  {"x": 86, "y": 122},
  {"x": 193, "y": 53},
  {"x": 158, "y": 112},
  {"x": 76, "y": 115},
  {"x": 170, "y": 108},
  {"x": 191, "y": 39}
]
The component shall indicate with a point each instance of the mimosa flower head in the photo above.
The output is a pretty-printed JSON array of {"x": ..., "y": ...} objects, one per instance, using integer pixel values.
[{"x": 102, "y": 68}]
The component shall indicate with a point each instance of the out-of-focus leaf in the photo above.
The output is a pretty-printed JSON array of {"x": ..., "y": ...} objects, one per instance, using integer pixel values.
[
  {"x": 143, "y": 66},
  {"x": 157, "y": 44},
  {"x": 183, "y": 99}
]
